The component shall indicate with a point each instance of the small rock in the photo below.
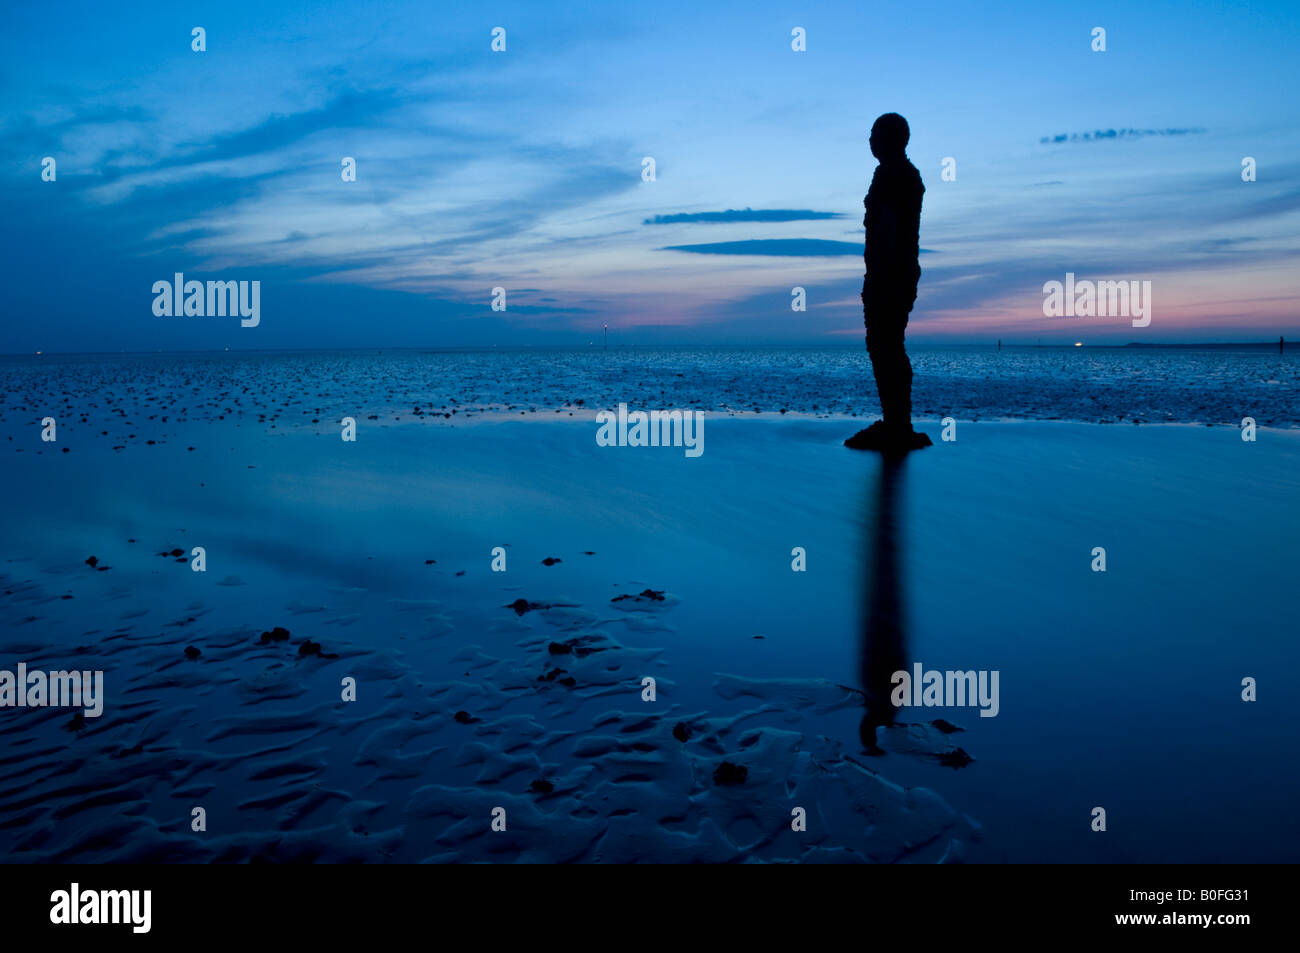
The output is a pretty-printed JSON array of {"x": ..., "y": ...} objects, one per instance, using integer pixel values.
[
  {"x": 957, "y": 758},
  {"x": 523, "y": 605},
  {"x": 550, "y": 561},
  {"x": 682, "y": 731},
  {"x": 92, "y": 562},
  {"x": 191, "y": 652},
  {"x": 655, "y": 595},
  {"x": 541, "y": 786},
  {"x": 728, "y": 773},
  {"x": 278, "y": 634}
]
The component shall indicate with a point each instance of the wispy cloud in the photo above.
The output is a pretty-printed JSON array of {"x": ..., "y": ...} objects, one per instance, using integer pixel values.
[
  {"x": 780, "y": 247},
  {"x": 1105, "y": 135},
  {"x": 743, "y": 215},
  {"x": 783, "y": 247}
]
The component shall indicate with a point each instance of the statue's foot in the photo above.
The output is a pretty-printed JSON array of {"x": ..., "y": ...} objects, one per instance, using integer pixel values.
[
  {"x": 890, "y": 440},
  {"x": 873, "y": 438}
]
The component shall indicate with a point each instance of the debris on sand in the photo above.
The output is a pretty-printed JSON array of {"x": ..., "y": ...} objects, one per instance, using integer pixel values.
[
  {"x": 728, "y": 773},
  {"x": 645, "y": 595},
  {"x": 523, "y": 605}
]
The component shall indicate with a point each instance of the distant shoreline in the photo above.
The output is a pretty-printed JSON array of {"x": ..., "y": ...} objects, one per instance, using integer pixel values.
[{"x": 919, "y": 345}]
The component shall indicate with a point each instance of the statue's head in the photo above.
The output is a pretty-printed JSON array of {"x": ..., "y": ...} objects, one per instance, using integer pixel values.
[{"x": 889, "y": 135}]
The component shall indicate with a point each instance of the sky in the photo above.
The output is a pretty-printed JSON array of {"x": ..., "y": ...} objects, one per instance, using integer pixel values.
[{"x": 523, "y": 170}]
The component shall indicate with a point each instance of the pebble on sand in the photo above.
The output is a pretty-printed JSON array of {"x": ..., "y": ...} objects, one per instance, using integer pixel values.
[
  {"x": 523, "y": 605},
  {"x": 728, "y": 773},
  {"x": 313, "y": 648},
  {"x": 654, "y": 595},
  {"x": 957, "y": 758},
  {"x": 278, "y": 634}
]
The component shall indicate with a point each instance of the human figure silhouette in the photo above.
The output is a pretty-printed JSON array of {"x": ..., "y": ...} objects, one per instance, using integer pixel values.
[{"x": 891, "y": 254}]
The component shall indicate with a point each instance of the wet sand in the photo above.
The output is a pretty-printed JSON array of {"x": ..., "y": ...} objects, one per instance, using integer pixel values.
[{"x": 523, "y": 689}]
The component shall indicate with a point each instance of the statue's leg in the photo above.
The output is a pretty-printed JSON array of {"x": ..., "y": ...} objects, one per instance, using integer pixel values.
[{"x": 891, "y": 367}]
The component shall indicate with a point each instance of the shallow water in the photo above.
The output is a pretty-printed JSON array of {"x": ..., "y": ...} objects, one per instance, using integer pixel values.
[{"x": 1164, "y": 385}]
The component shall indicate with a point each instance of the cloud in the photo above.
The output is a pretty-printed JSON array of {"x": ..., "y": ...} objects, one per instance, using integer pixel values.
[
  {"x": 784, "y": 247},
  {"x": 780, "y": 247},
  {"x": 743, "y": 215},
  {"x": 1099, "y": 135},
  {"x": 351, "y": 110}
]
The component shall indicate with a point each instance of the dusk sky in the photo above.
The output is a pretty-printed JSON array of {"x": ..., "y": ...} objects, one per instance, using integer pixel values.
[{"x": 523, "y": 169}]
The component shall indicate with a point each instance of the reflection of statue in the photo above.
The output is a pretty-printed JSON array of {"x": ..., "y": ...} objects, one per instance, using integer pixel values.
[{"x": 884, "y": 642}]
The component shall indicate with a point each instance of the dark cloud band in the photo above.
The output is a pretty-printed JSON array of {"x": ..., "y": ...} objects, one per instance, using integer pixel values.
[{"x": 743, "y": 215}]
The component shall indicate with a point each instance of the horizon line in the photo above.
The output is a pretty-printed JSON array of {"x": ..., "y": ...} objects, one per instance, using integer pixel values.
[{"x": 923, "y": 343}]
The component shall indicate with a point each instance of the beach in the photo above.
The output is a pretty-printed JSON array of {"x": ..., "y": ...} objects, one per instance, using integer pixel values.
[{"x": 524, "y": 689}]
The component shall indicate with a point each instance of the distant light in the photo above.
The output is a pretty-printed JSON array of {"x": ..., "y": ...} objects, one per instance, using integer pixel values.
[{"x": 1078, "y": 344}]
